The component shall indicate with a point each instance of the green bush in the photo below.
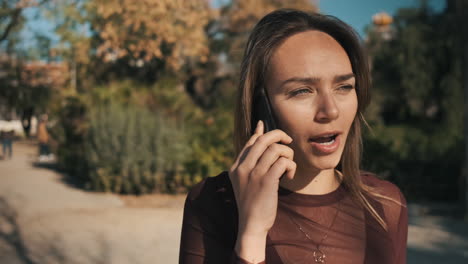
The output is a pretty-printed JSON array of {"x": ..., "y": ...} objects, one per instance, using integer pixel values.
[
  {"x": 211, "y": 144},
  {"x": 71, "y": 136},
  {"x": 126, "y": 137},
  {"x": 132, "y": 150}
]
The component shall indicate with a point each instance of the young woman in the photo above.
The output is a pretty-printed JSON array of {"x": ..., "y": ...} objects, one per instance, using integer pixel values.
[{"x": 324, "y": 210}]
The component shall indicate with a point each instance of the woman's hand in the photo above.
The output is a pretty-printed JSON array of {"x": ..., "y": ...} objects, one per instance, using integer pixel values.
[{"x": 255, "y": 177}]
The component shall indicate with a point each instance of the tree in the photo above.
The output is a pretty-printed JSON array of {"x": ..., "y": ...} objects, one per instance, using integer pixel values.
[
  {"x": 167, "y": 34},
  {"x": 28, "y": 87},
  {"x": 11, "y": 15},
  {"x": 11, "y": 18},
  {"x": 227, "y": 35},
  {"x": 17, "y": 91},
  {"x": 417, "y": 111},
  {"x": 240, "y": 16},
  {"x": 461, "y": 8}
]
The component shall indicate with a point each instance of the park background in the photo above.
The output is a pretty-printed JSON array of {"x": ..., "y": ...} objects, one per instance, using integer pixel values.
[{"x": 139, "y": 97}]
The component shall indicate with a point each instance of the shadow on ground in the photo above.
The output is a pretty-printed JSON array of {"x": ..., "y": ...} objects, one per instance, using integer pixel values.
[
  {"x": 10, "y": 233},
  {"x": 15, "y": 248},
  {"x": 440, "y": 239},
  {"x": 64, "y": 177},
  {"x": 425, "y": 256}
]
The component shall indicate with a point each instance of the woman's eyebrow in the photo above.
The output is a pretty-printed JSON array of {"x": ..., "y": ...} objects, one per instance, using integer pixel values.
[
  {"x": 312, "y": 80},
  {"x": 344, "y": 77}
]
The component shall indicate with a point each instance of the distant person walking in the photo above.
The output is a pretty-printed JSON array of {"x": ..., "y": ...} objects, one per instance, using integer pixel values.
[
  {"x": 43, "y": 137},
  {"x": 7, "y": 134}
]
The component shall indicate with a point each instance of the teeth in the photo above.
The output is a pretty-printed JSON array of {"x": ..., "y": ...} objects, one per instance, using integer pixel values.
[
  {"x": 327, "y": 143},
  {"x": 325, "y": 136}
]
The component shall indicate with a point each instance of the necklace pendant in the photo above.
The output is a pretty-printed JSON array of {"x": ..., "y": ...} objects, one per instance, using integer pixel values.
[{"x": 319, "y": 256}]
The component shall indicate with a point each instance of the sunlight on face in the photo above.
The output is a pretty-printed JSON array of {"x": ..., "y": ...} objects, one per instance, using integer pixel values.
[{"x": 311, "y": 86}]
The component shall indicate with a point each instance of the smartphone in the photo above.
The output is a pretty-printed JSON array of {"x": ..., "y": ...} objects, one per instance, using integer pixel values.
[{"x": 261, "y": 110}]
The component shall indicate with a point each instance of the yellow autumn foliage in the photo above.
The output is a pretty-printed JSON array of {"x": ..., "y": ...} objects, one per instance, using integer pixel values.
[
  {"x": 170, "y": 30},
  {"x": 244, "y": 14}
]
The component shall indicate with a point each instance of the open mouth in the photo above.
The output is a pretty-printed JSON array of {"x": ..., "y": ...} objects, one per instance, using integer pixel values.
[{"x": 324, "y": 140}]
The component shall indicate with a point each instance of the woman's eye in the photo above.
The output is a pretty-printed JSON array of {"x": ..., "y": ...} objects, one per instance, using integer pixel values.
[
  {"x": 345, "y": 87},
  {"x": 301, "y": 91}
]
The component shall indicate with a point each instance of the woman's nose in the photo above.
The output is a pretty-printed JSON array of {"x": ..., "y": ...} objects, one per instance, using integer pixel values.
[{"x": 327, "y": 109}]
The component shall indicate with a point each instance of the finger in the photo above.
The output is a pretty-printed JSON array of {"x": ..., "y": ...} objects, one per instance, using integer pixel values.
[
  {"x": 291, "y": 172},
  {"x": 261, "y": 144},
  {"x": 275, "y": 150},
  {"x": 274, "y": 136},
  {"x": 280, "y": 167},
  {"x": 270, "y": 156},
  {"x": 242, "y": 174},
  {"x": 260, "y": 128},
  {"x": 258, "y": 132}
]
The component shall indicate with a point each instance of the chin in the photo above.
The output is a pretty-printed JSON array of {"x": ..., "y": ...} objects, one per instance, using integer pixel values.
[{"x": 326, "y": 162}]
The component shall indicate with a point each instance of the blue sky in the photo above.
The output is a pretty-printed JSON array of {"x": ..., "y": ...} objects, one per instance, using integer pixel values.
[
  {"x": 36, "y": 24},
  {"x": 357, "y": 13}
]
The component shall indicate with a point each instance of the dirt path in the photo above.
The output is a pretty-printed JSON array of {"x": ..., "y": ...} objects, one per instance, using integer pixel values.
[{"x": 44, "y": 220}]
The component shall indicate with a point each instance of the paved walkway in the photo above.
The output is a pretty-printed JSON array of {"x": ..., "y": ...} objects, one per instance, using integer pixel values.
[{"x": 44, "y": 220}]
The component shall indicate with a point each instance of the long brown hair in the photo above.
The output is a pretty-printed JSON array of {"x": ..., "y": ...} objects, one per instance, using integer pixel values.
[{"x": 267, "y": 35}]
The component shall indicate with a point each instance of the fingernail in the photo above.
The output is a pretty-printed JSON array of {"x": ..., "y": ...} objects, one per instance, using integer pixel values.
[{"x": 257, "y": 127}]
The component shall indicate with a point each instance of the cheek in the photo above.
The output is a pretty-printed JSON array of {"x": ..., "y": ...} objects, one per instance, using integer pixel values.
[
  {"x": 348, "y": 110},
  {"x": 294, "y": 119}
]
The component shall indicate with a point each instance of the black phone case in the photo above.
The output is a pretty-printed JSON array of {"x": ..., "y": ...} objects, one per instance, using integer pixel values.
[{"x": 262, "y": 111}]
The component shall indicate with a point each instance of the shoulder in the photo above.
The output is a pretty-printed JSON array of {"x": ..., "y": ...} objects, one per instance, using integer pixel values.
[
  {"x": 390, "y": 204},
  {"x": 383, "y": 187},
  {"x": 210, "y": 188},
  {"x": 388, "y": 200},
  {"x": 212, "y": 194},
  {"x": 210, "y": 207}
]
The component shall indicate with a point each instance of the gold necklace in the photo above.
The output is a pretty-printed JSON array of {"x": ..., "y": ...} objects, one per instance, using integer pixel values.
[{"x": 319, "y": 256}]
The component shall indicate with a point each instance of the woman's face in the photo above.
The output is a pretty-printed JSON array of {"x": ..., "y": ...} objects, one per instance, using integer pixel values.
[{"x": 311, "y": 86}]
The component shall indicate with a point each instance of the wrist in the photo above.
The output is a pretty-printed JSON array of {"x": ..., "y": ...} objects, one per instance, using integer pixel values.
[{"x": 251, "y": 247}]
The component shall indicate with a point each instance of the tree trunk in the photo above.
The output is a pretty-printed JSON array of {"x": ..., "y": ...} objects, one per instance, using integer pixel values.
[{"x": 26, "y": 117}]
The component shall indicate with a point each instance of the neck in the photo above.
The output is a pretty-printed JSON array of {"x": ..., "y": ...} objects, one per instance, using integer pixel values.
[{"x": 312, "y": 181}]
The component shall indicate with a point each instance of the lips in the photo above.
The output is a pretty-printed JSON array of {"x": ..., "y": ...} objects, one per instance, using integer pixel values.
[
  {"x": 325, "y": 137},
  {"x": 326, "y": 143}
]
